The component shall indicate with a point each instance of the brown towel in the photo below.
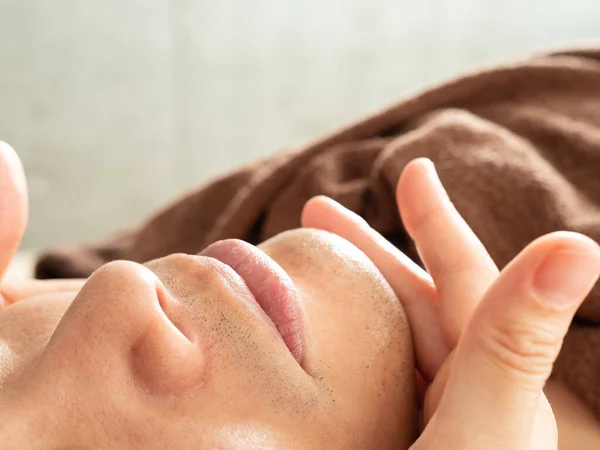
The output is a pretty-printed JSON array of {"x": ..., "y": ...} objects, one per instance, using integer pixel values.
[{"x": 517, "y": 147}]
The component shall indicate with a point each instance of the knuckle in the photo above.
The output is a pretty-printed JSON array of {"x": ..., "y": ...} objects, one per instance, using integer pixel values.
[
  {"x": 522, "y": 349},
  {"x": 430, "y": 219},
  {"x": 465, "y": 270}
]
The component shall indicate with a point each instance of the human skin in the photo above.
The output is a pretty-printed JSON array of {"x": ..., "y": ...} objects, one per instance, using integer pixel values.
[
  {"x": 178, "y": 353},
  {"x": 485, "y": 339},
  {"x": 469, "y": 313}
]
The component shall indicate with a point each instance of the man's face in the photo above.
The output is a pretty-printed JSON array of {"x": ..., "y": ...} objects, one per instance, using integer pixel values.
[{"x": 299, "y": 345}]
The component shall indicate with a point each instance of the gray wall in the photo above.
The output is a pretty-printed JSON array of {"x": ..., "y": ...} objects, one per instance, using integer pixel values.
[{"x": 116, "y": 106}]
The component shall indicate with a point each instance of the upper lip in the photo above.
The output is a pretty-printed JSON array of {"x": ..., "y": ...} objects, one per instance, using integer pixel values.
[{"x": 272, "y": 288}]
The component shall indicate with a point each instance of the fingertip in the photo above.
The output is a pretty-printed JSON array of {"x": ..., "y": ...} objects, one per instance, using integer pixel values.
[
  {"x": 316, "y": 200},
  {"x": 415, "y": 178},
  {"x": 414, "y": 171},
  {"x": 422, "y": 162},
  {"x": 568, "y": 267},
  {"x": 12, "y": 174},
  {"x": 5, "y": 147},
  {"x": 313, "y": 210},
  {"x": 419, "y": 192},
  {"x": 559, "y": 242},
  {"x": 322, "y": 211},
  {"x": 567, "y": 239},
  {"x": 10, "y": 158},
  {"x": 13, "y": 204}
]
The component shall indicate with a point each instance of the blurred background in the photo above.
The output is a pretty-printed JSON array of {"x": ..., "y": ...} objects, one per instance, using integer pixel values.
[{"x": 118, "y": 106}]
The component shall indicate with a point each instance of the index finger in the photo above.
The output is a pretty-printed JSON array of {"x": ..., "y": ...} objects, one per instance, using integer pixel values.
[
  {"x": 459, "y": 264},
  {"x": 412, "y": 285}
]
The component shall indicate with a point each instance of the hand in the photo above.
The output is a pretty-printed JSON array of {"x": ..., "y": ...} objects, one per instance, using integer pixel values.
[
  {"x": 504, "y": 330},
  {"x": 13, "y": 221},
  {"x": 456, "y": 260}
]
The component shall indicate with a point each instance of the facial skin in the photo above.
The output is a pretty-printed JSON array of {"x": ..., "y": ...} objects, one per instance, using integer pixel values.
[{"x": 175, "y": 354}]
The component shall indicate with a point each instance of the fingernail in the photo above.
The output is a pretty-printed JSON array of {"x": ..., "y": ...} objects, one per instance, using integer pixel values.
[{"x": 564, "y": 278}]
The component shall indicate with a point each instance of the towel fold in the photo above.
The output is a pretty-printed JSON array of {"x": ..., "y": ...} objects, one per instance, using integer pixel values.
[{"x": 516, "y": 146}]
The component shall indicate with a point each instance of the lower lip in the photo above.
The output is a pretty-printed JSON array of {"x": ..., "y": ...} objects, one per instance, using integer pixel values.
[{"x": 272, "y": 288}]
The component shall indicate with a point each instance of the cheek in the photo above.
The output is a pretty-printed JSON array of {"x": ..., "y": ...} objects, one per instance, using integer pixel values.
[
  {"x": 361, "y": 338},
  {"x": 355, "y": 324},
  {"x": 365, "y": 355},
  {"x": 26, "y": 326},
  {"x": 248, "y": 369},
  {"x": 351, "y": 309},
  {"x": 251, "y": 373}
]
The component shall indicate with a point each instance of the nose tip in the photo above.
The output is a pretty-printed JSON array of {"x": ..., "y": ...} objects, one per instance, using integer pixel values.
[
  {"x": 120, "y": 296},
  {"x": 119, "y": 315}
]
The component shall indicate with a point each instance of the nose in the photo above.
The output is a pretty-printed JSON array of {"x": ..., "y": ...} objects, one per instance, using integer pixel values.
[{"x": 117, "y": 327}]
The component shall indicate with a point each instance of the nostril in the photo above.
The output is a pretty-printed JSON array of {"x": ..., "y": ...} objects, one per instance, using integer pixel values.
[
  {"x": 174, "y": 313},
  {"x": 163, "y": 297},
  {"x": 166, "y": 362},
  {"x": 167, "y": 357}
]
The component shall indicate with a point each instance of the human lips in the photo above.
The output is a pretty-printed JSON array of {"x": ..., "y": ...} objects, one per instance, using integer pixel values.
[{"x": 272, "y": 288}]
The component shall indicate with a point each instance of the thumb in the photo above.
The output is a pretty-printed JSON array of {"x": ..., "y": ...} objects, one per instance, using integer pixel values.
[
  {"x": 13, "y": 205},
  {"x": 509, "y": 347}
]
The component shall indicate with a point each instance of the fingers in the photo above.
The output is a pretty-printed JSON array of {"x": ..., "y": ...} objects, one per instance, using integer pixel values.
[
  {"x": 411, "y": 284},
  {"x": 19, "y": 290},
  {"x": 13, "y": 205},
  {"x": 460, "y": 266},
  {"x": 435, "y": 390},
  {"x": 507, "y": 351}
]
